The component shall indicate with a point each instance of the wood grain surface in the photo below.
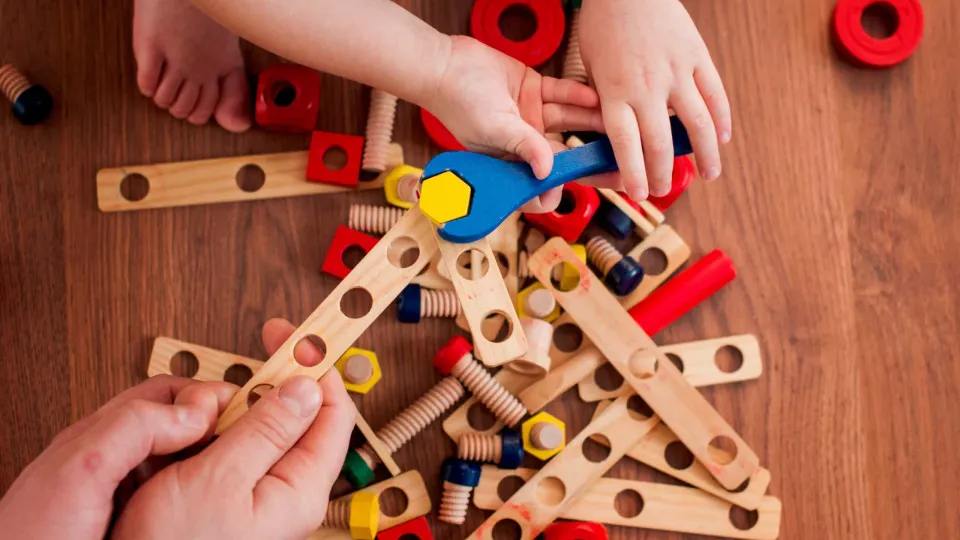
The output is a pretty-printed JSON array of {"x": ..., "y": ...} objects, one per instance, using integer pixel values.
[{"x": 838, "y": 203}]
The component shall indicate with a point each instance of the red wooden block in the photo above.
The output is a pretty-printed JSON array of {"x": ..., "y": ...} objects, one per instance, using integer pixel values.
[
  {"x": 538, "y": 48},
  {"x": 439, "y": 133},
  {"x": 344, "y": 238},
  {"x": 320, "y": 143},
  {"x": 568, "y": 225},
  {"x": 856, "y": 45},
  {"x": 288, "y": 98},
  {"x": 683, "y": 175},
  {"x": 417, "y": 528},
  {"x": 578, "y": 530}
]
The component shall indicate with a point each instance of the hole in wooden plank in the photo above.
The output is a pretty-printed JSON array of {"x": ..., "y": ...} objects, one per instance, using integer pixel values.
[
  {"x": 508, "y": 486},
  {"x": 507, "y": 529},
  {"x": 184, "y": 364},
  {"x": 653, "y": 261},
  {"x": 496, "y": 327},
  {"x": 238, "y": 374},
  {"x": 250, "y": 178},
  {"x": 356, "y": 303},
  {"x": 643, "y": 364},
  {"x": 283, "y": 93},
  {"x": 517, "y": 23},
  {"x": 741, "y": 488},
  {"x": 678, "y": 456},
  {"x": 503, "y": 263},
  {"x": 472, "y": 264},
  {"x": 393, "y": 502},
  {"x": 479, "y": 417},
  {"x": 134, "y": 187},
  {"x": 880, "y": 20},
  {"x": 567, "y": 337},
  {"x": 639, "y": 407},
  {"x": 743, "y": 519},
  {"x": 608, "y": 378},
  {"x": 257, "y": 392},
  {"x": 403, "y": 252},
  {"x": 676, "y": 361},
  {"x": 722, "y": 449},
  {"x": 551, "y": 491},
  {"x": 596, "y": 451},
  {"x": 729, "y": 359},
  {"x": 628, "y": 503},
  {"x": 352, "y": 256},
  {"x": 564, "y": 282},
  {"x": 334, "y": 158},
  {"x": 310, "y": 350}
]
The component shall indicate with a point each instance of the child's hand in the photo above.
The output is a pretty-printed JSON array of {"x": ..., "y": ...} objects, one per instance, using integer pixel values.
[
  {"x": 644, "y": 56},
  {"x": 496, "y": 105}
]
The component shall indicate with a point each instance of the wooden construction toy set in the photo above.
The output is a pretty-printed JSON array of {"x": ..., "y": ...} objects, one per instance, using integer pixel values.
[{"x": 513, "y": 282}]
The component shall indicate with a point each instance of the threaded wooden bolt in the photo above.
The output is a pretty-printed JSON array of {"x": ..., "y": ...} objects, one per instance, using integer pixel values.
[
  {"x": 338, "y": 515},
  {"x": 504, "y": 449},
  {"x": 546, "y": 436},
  {"x": 573, "y": 67},
  {"x": 415, "y": 302},
  {"x": 32, "y": 103},
  {"x": 459, "y": 479},
  {"x": 373, "y": 219},
  {"x": 455, "y": 358},
  {"x": 620, "y": 272},
  {"x": 360, "y": 514},
  {"x": 383, "y": 112}
]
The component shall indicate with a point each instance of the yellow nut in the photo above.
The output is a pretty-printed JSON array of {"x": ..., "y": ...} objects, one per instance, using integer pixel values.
[
  {"x": 522, "y": 304},
  {"x": 444, "y": 197},
  {"x": 571, "y": 277},
  {"x": 364, "y": 515},
  {"x": 396, "y": 185},
  {"x": 547, "y": 434},
  {"x": 359, "y": 369}
]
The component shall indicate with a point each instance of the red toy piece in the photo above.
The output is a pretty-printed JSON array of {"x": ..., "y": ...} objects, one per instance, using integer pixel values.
[
  {"x": 288, "y": 98},
  {"x": 578, "y": 530},
  {"x": 676, "y": 297},
  {"x": 853, "y": 42},
  {"x": 538, "y": 48},
  {"x": 568, "y": 225},
  {"x": 344, "y": 238},
  {"x": 320, "y": 143},
  {"x": 683, "y": 175},
  {"x": 415, "y": 529},
  {"x": 451, "y": 353},
  {"x": 439, "y": 133}
]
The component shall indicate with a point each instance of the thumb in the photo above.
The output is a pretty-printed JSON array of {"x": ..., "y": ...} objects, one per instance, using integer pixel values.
[{"x": 522, "y": 139}]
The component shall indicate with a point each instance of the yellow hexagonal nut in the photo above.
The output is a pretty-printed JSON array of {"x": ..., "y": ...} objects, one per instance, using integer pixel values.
[
  {"x": 364, "y": 515},
  {"x": 571, "y": 277},
  {"x": 522, "y": 306},
  {"x": 397, "y": 185},
  {"x": 540, "y": 435},
  {"x": 359, "y": 369},
  {"x": 445, "y": 197}
]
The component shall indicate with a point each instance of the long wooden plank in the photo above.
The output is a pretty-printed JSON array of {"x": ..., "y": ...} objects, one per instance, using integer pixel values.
[
  {"x": 380, "y": 276},
  {"x": 378, "y": 447},
  {"x": 207, "y": 181},
  {"x": 418, "y": 504},
  {"x": 662, "y": 507},
  {"x": 631, "y": 351}
]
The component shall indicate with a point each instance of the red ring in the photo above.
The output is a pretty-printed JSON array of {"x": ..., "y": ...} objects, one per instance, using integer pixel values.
[
  {"x": 859, "y": 47},
  {"x": 439, "y": 133},
  {"x": 551, "y": 22}
]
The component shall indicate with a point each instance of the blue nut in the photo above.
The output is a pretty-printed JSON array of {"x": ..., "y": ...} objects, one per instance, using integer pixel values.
[
  {"x": 461, "y": 472},
  {"x": 613, "y": 220},
  {"x": 408, "y": 304},
  {"x": 624, "y": 277},
  {"x": 511, "y": 452}
]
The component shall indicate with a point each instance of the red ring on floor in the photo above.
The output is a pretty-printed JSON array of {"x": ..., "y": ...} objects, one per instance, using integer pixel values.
[
  {"x": 551, "y": 22},
  {"x": 852, "y": 40},
  {"x": 439, "y": 133}
]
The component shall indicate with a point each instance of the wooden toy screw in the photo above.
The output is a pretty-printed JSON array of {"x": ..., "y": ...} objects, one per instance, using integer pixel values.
[
  {"x": 459, "y": 479},
  {"x": 357, "y": 369},
  {"x": 455, "y": 358},
  {"x": 383, "y": 111},
  {"x": 373, "y": 219},
  {"x": 414, "y": 418},
  {"x": 408, "y": 188},
  {"x": 572, "y": 62},
  {"x": 32, "y": 103},
  {"x": 415, "y": 302},
  {"x": 539, "y": 303},
  {"x": 338, "y": 515},
  {"x": 359, "y": 514},
  {"x": 505, "y": 449},
  {"x": 546, "y": 436},
  {"x": 620, "y": 272}
]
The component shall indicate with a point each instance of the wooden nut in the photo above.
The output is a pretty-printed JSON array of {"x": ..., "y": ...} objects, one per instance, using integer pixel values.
[
  {"x": 364, "y": 515},
  {"x": 540, "y": 303},
  {"x": 357, "y": 369},
  {"x": 546, "y": 436},
  {"x": 550, "y": 436},
  {"x": 360, "y": 370}
]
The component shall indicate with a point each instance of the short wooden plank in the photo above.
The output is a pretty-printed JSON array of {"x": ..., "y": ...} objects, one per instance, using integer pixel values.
[{"x": 212, "y": 365}]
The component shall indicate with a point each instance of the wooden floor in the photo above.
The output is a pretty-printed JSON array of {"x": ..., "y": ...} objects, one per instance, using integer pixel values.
[{"x": 839, "y": 204}]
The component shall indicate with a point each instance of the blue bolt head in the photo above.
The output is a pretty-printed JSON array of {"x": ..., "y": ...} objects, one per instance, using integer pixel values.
[
  {"x": 511, "y": 450},
  {"x": 613, "y": 220},
  {"x": 33, "y": 105},
  {"x": 408, "y": 304},
  {"x": 624, "y": 277},
  {"x": 461, "y": 472}
]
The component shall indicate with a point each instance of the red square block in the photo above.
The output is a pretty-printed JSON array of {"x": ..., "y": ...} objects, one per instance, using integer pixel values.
[
  {"x": 288, "y": 98},
  {"x": 322, "y": 142},
  {"x": 417, "y": 528},
  {"x": 568, "y": 225},
  {"x": 344, "y": 238},
  {"x": 577, "y": 530}
]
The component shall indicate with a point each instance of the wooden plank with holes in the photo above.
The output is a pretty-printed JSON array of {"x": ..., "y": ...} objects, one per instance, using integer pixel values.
[
  {"x": 503, "y": 240},
  {"x": 207, "y": 181},
  {"x": 654, "y": 449},
  {"x": 675, "y": 251},
  {"x": 212, "y": 365},
  {"x": 698, "y": 365},
  {"x": 570, "y": 473},
  {"x": 661, "y": 507},
  {"x": 434, "y": 276},
  {"x": 418, "y": 504},
  {"x": 653, "y": 213},
  {"x": 483, "y": 296},
  {"x": 631, "y": 351},
  {"x": 378, "y": 278}
]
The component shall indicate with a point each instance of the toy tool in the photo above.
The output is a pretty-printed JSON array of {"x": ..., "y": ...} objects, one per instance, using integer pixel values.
[{"x": 470, "y": 194}]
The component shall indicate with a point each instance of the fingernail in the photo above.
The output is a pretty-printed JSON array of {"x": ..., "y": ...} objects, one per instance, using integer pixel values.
[
  {"x": 639, "y": 194},
  {"x": 301, "y": 396},
  {"x": 713, "y": 173},
  {"x": 191, "y": 417},
  {"x": 724, "y": 137}
]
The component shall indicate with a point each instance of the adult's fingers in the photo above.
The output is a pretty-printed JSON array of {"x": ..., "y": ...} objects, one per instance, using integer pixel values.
[
  {"x": 657, "y": 140},
  {"x": 265, "y": 433},
  {"x": 694, "y": 114},
  {"x": 211, "y": 397},
  {"x": 620, "y": 121},
  {"x": 711, "y": 88},
  {"x": 557, "y": 118},
  {"x": 569, "y": 92}
]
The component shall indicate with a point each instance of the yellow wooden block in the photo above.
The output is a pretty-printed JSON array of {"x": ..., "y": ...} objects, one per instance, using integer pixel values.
[
  {"x": 522, "y": 300},
  {"x": 397, "y": 180},
  {"x": 444, "y": 197},
  {"x": 359, "y": 369},
  {"x": 364, "y": 515},
  {"x": 529, "y": 438}
]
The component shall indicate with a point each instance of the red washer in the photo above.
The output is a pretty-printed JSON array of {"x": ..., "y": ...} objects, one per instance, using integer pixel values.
[
  {"x": 288, "y": 98},
  {"x": 551, "y": 22},
  {"x": 853, "y": 42},
  {"x": 317, "y": 170},
  {"x": 570, "y": 225},
  {"x": 439, "y": 133},
  {"x": 343, "y": 239}
]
